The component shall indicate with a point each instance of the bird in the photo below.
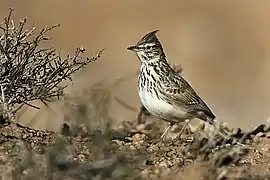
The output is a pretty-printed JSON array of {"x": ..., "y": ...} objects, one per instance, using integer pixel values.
[{"x": 162, "y": 90}]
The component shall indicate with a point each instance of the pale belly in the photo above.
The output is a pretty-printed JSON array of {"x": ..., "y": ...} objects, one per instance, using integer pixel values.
[{"x": 161, "y": 109}]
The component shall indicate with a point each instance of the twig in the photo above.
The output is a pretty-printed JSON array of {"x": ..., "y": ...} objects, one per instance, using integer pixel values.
[{"x": 3, "y": 98}]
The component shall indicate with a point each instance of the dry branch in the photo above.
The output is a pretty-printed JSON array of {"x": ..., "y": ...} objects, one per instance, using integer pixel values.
[{"x": 30, "y": 72}]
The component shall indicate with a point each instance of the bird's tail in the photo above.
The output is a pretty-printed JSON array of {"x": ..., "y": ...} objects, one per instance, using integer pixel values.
[
  {"x": 219, "y": 127},
  {"x": 211, "y": 119}
]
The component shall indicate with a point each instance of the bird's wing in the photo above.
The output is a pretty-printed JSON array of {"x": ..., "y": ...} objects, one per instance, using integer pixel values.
[{"x": 178, "y": 91}]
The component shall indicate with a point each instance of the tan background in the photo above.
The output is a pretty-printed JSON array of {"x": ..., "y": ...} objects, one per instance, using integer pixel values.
[{"x": 223, "y": 46}]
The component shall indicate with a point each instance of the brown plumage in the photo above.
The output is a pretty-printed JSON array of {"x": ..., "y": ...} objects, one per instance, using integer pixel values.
[{"x": 163, "y": 92}]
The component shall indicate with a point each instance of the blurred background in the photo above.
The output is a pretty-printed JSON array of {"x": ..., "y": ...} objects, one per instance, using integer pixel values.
[{"x": 223, "y": 47}]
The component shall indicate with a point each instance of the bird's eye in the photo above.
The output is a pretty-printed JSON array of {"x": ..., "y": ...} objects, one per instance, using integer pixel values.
[{"x": 148, "y": 47}]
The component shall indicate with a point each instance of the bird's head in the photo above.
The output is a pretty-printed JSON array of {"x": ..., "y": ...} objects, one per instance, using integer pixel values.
[{"x": 148, "y": 49}]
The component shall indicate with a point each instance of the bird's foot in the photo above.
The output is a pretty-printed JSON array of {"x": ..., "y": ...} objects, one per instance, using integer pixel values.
[
  {"x": 183, "y": 128},
  {"x": 164, "y": 135}
]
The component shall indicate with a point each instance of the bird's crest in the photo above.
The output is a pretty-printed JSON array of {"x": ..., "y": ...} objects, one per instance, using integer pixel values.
[{"x": 150, "y": 37}]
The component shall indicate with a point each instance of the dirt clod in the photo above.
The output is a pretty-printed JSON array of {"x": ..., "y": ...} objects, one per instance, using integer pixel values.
[{"x": 27, "y": 153}]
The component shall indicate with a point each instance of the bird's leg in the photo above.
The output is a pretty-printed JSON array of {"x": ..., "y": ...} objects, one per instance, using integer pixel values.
[
  {"x": 166, "y": 131},
  {"x": 142, "y": 115},
  {"x": 184, "y": 127}
]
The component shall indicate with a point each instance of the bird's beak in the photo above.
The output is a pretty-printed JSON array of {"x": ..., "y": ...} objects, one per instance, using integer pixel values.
[{"x": 133, "y": 48}]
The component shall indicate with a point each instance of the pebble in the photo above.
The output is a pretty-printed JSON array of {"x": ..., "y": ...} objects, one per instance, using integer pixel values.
[{"x": 140, "y": 127}]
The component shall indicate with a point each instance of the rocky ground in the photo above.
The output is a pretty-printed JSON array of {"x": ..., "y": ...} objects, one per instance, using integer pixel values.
[{"x": 131, "y": 152}]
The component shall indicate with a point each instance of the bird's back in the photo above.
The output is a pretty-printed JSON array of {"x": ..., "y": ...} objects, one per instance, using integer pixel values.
[{"x": 180, "y": 93}]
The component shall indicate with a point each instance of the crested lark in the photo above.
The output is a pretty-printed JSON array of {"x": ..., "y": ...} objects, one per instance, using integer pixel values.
[{"x": 162, "y": 91}]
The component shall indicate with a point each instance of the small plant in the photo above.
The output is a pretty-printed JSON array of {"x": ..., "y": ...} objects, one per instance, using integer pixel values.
[{"x": 29, "y": 71}]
